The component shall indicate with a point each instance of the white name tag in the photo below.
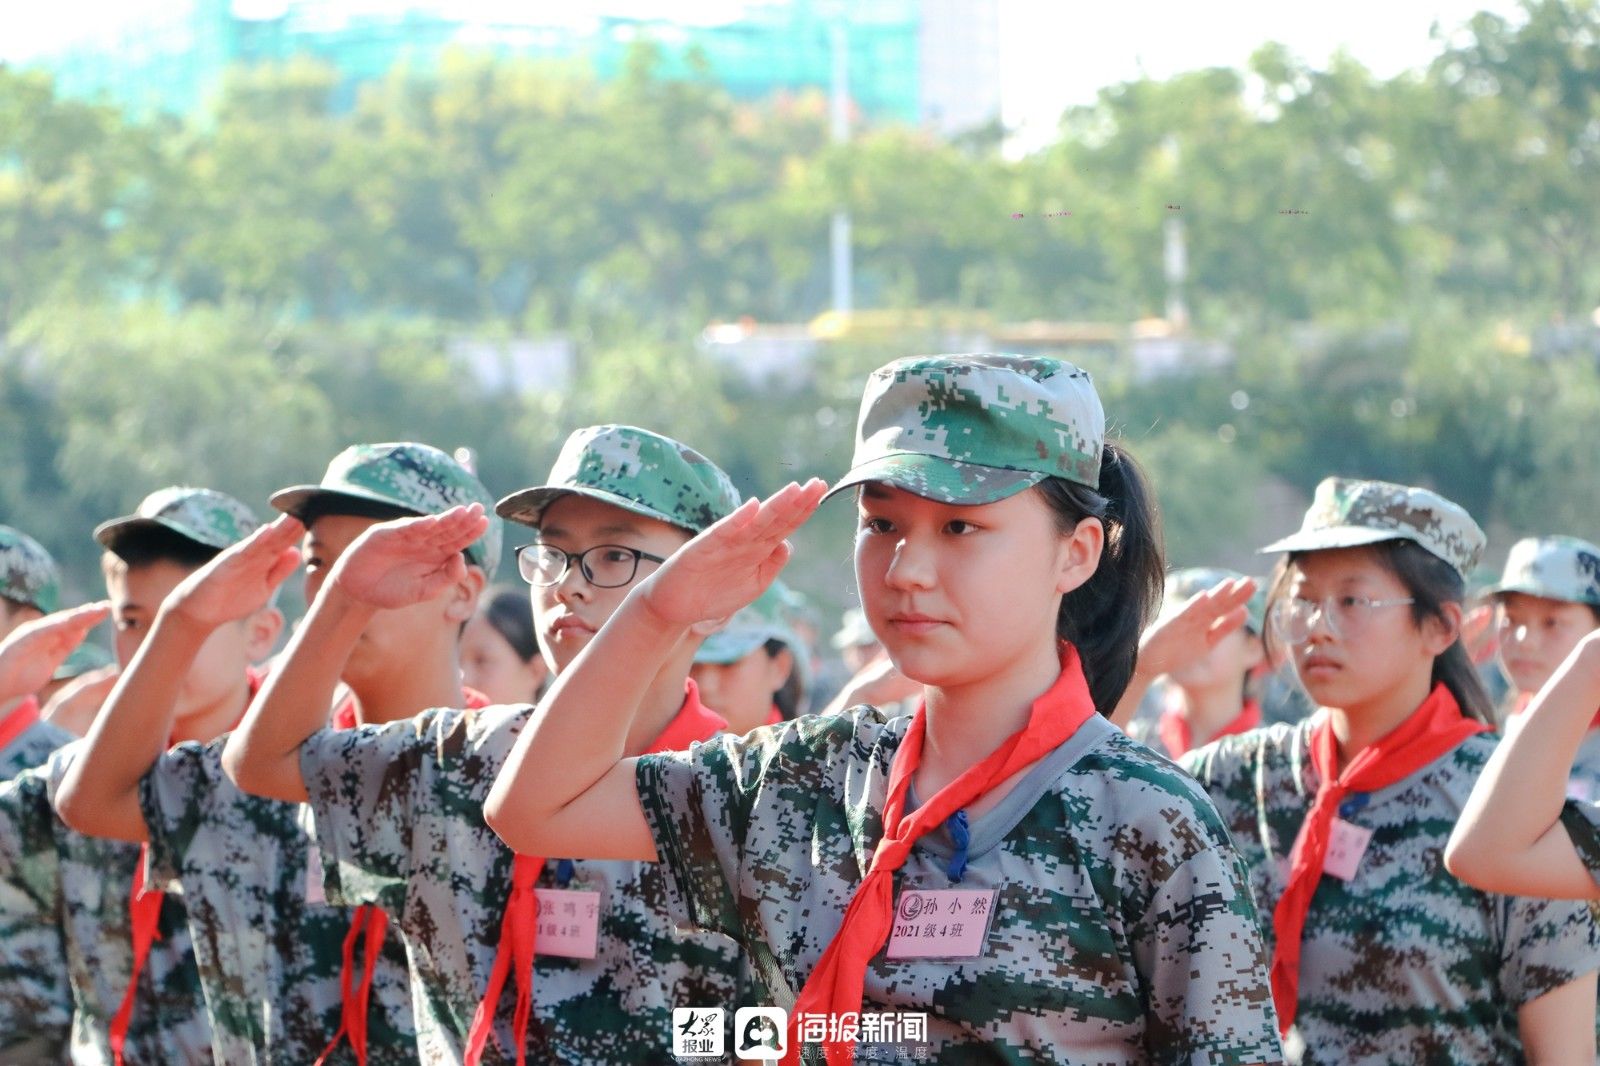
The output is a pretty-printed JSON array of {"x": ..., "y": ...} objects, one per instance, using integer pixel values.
[
  {"x": 569, "y": 923},
  {"x": 941, "y": 923},
  {"x": 1346, "y": 844}
]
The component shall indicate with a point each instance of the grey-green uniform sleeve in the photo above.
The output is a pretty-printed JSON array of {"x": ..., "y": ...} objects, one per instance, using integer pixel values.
[
  {"x": 1548, "y": 943},
  {"x": 35, "y": 994},
  {"x": 175, "y": 796},
  {"x": 365, "y": 786},
  {"x": 1582, "y": 821},
  {"x": 698, "y": 804}
]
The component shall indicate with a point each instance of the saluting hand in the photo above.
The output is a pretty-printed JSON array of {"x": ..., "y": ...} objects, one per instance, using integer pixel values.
[
  {"x": 732, "y": 562},
  {"x": 409, "y": 560},
  {"x": 241, "y": 580},
  {"x": 1191, "y": 633},
  {"x": 32, "y": 652}
]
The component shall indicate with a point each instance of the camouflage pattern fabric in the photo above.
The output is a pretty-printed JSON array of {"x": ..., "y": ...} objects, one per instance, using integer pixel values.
[
  {"x": 27, "y": 572},
  {"x": 1346, "y": 512},
  {"x": 399, "y": 818},
  {"x": 971, "y": 429},
  {"x": 765, "y": 619},
  {"x": 1123, "y": 931},
  {"x": 268, "y": 956},
  {"x": 82, "y": 884},
  {"x": 1403, "y": 963},
  {"x": 636, "y": 470},
  {"x": 1583, "y": 784},
  {"x": 412, "y": 477},
  {"x": 1556, "y": 568},
  {"x": 204, "y": 516},
  {"x": 31, "y": 748},
  {"x": 35, "y": 992}
]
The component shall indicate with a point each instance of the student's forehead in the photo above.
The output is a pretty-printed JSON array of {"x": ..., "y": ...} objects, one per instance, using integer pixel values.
[
  {"x": 1343, "y": 566},
  {"x": 576, "y": 515},
  {"x": 1527, "y": 603}
]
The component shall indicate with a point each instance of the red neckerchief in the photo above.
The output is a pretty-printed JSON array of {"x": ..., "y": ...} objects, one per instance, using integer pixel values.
[
  {"x": 1520, "y": 706},
  {"x": 836, "y": 986},
  {"x": 144, "y": 913},
  {"x": 519, "y": 927},
  {"x": 18, "y": 720},
  {"x": 1434, "y": 728},
  {"x": 774, "y": 716},
  {"x": 368, "y": 924},
  {"x": 1176, "y": 737}
]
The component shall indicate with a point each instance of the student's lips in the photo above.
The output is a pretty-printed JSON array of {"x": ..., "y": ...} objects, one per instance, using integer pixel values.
[
  {"x": 914, "y": 624},
  {"x": 1318, "y": 666},
  {"x": 569, "y": 626}
]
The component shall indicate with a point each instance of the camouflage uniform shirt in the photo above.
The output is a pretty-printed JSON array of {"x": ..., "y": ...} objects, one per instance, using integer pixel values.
[
  {"x": 80, "y": 885},
  {"x": 31, "y": 748},
  {"x": 1583, "y": 784},
  {"x": 1122, "y": 932},
  {"x": 267, "y": 949},
  {"x": 1403, "y": 963},
  {"x": 399, "y": 817}
]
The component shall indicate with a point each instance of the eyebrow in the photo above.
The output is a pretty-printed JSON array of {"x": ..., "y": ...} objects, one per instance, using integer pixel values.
[
  {"x": 603, "y": 531},
  {"x": 874, "y": 491}
]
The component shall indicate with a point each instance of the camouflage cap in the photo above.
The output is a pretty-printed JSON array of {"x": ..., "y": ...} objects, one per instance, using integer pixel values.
[
  {"x": 971, "y": 429},
  {"x": 633, "y": 469},
  {"x": 1184, "y": 585},
  {"x": 207, "y": 517},
  {"x": 27, "y": 572},
  {"x": 85, "y": 657},
  {"x": 1556, "y": 568},
  {"x": 407, "y": 476},
  {"x": 1348, "y": 512},
  {"x": 765, "y": 619}
]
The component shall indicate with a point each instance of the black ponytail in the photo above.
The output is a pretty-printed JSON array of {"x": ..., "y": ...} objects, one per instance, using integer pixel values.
[{"x": 1104, "y": 617}]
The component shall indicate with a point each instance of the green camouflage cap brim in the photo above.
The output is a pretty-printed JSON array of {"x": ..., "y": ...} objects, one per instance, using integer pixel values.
[
  {"x": 973, "y": 429},
  {"x": 636, "y": 470},
  {"x": 411, "y": 477},
  {"x": 1554, "y": 568},
  {"x": 1350, "y": 513},
  {"x": 765, "y": 619},
  {"x": 1183, "y": 585},
  {"x": 28, "y": 574},
  {"x": 85, "y": 657},
  {"x": 209, "y": 518}
]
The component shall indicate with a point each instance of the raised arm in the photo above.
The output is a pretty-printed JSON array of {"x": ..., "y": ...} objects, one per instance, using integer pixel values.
[
  {"x": 100, "y": 794},
  {"x": 31, "y": 653},
  {"x": 567, "y": 774},
  {"x": 1184, "y": 637},
  {"x": 1509, "y": 838},
  {"x": 391, "y": 565}
]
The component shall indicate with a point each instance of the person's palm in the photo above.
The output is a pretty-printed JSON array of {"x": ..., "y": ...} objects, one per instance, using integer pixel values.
[
  {"x": 33, "y": 651},
  {"x": 240, "y": 581},
  {"x": 409, "y": 560},
  {"x": 732, "y": 562},
  {"x": 1189, "y": 635}
]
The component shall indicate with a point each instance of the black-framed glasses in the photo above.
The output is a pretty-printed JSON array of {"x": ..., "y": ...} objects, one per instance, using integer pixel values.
[{"x": 605, "y": 566}]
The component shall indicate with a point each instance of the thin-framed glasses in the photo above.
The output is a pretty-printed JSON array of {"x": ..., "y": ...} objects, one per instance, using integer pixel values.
[
  {"x": 1294, "y": 618},
  {"x": 605, "y": 566}
]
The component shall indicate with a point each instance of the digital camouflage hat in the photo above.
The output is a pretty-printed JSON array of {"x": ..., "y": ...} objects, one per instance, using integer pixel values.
[
  {"x": 1556, "y": 568},
  {"x": 1183, "y": 585},
  {"x": 209, "y": 518},
  {"x": 410, "y": 477},
  {"x": 1348, "y": 512},
  {"x": 971, "y": 429},
  {"x": 633, "y": 469},
  {"x": 765, "y": 619},
  {"x": 28, "y": 574},
  {"x": 854, "y": 631}
]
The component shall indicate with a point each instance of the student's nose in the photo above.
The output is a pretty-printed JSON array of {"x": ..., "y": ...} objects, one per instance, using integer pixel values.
[{"x": 911, "y": 566}]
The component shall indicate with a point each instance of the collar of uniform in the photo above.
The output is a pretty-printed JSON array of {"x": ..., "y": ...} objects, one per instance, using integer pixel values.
[
  {"x": 987, "y": 832},
  {"x": 694, "y": 721}
]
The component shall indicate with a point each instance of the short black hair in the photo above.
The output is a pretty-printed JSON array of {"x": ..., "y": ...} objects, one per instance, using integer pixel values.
[{"x": 161, "y": 545}]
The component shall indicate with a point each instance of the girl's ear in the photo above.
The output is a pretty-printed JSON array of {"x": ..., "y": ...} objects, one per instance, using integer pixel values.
[
  {"x": 1079, "y": 554},
  {"x": 1443, "y": 629},
  {"x": 1255, "y": 653},
  {"x": 462, "y": 602}
]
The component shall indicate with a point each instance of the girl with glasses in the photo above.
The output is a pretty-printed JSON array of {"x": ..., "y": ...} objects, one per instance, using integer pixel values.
[{"x": 1379, "y": 955}]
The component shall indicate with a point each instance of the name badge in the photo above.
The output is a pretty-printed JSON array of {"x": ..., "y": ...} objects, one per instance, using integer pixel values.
[
  {"x": 314, "y": 891},
  {"x": 941, "y": 923},
  {"x": 1346, "y": 844},
  {"x": 569, "y": 922}
]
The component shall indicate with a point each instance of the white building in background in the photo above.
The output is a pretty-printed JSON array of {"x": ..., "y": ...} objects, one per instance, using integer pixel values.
[{"x": 960, "y": 71}]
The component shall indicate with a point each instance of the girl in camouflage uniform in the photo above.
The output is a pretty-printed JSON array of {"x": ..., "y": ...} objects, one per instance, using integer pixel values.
[
  {"x": 1379, "y": 954},
  {"x": 1001, "y": 876}
]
